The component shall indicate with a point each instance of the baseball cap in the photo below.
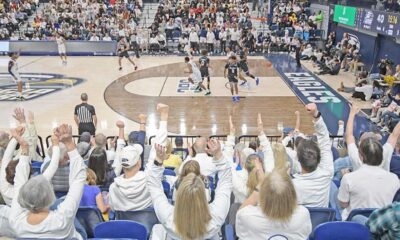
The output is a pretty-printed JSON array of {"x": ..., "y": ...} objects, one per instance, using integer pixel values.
[
  {"x": 131, "y": 155},
  {"x": 85, "y": 137}
]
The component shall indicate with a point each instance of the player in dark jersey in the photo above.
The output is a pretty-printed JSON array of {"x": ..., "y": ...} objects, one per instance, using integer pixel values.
[
  {"x": 123, "y": 48},
  {"x": 204, "y": 65},
  {"x": 231, "y": 72},
  {"x": 244, "y": 68}
]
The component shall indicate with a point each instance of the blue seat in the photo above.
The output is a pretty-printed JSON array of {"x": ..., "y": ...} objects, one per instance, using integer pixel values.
[
  {"x": 342, "y": 231},
  {"x": 147, "y": 217},
  {"x": 360, "y": 211},
  {"x": 121, "y": 229},
  {"x": 89, "y": 217},
  {"x": 60, "y": 194},
  {"x": 321, "y": 215},
  {"x": 229, "y": 232},
  {"x": 169, "y": 172},
  {"x": 397, "y": 196},
  {"x": 176, "y": 34}
]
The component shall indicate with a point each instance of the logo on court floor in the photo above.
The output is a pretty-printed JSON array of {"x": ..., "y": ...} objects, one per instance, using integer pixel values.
[
  {"x": 35, "y": 85},
  {"x": 183, "y": 86}
]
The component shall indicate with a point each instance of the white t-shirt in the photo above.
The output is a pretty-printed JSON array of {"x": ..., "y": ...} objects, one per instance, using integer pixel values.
[
  {"x": 368, "y": 187},
  {"x": 367, "y": 90},
  {"x": 251, "y": 223}
]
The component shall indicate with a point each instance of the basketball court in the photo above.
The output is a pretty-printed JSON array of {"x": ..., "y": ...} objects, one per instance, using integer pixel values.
[{"x": 55, "y": 90}]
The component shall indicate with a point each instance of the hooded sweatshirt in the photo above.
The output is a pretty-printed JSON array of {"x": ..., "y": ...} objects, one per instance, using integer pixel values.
[{"x": 129, "y": 194}]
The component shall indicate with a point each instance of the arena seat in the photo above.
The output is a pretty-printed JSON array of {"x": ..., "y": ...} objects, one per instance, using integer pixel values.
[
  {"x": 147, "y": 217},
  {"x": 60, "y": 194},
  {"x": 89, "y": 217},
  {"x": 360, "y": 211},
  {"x": 121, "y": 229},
  {"x": 321, "y": 215},
  {"x": 342, "y": 231},
  {"x": 167, "y": 189},
  {"x": 397, "y": 196}
]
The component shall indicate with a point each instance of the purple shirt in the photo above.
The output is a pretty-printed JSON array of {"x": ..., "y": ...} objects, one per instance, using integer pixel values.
[{"x": 89, "y": 196}]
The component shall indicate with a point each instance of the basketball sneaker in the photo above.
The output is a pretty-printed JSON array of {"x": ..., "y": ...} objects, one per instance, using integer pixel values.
[
  {"x": 257, "y": 81},
  {"x": 243, "y": 83},
  {"x": 208, "y": 93}
]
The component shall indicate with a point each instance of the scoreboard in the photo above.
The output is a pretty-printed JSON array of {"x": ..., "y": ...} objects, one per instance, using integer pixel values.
[{"x": 386, "y": 23}]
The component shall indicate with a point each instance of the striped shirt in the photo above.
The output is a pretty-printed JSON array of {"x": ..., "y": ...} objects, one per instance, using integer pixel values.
[{"x": 85, "y": 113}]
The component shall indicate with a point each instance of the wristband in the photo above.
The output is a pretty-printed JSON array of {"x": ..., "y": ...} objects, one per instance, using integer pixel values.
[{"x": 157, "y": 163}]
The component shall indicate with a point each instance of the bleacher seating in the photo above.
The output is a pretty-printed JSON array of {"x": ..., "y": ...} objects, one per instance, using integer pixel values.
[
  {"x": 89, "y": 217},
  {"x": 147, "y": 217},
  {"x": 360, "y": 211},
  {"x": 321, "y": 215},
  {"x": 121, "y": 229},
  {"x": 342, "y": 231}
]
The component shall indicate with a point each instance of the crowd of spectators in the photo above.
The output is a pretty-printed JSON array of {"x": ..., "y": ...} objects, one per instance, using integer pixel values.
[
  {"x": 83, "y": 20},
  {"x": 13, "y": 15},
  {"x": 273, "y": 185}
]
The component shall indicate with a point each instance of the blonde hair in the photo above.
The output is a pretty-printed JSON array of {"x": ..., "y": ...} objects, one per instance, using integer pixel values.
[
  {"x": 252, "y": 180},
  {"x": 278, "y": 199},
  {"x": 280, "y": 156},
  {"x": 191, "y": 214},
  {"x": 190, "y": 166},
  {"x": 91, "y": 177}
]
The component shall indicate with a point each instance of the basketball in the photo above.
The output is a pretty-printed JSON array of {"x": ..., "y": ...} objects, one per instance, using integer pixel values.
[{"x": 268, "y": 64}]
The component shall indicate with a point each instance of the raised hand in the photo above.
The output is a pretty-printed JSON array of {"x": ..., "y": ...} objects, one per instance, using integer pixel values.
[
  {"x": 120, "y": 124},
  {"x": 214, "y": 148},
  {"x": 232, "y": 129},
  {"x": 260, "y": 125},
  {"x": 312, "y": 109},
  {"x": 354, "y": 109},
  {"x": 65, "y": 134},
  {"x": 161, "y": 154},
  {"x": 31, "y": 117},
  {"x": 55, "y": 139},
  {"x": 19, "y": 115},
  {"x": 297, "y": 113},
  {"x": 17, "y": 132},
  {"x": 142, "y": 118}
]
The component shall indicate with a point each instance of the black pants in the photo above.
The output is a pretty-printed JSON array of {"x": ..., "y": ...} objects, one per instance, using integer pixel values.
[
  {"x": 233, "y": 45},
  {"x": 223, "y": 46},
  {"x": 86, "y": 127},
  {"x": 194, "y": 46},
  {"x": 135, "y": 47},
  {"x": 360, "y": 95},
  {"x": 210, "y": 47}
]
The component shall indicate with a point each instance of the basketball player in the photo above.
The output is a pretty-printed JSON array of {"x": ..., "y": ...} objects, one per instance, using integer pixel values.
[
  {"x": 204, "y": 65},
  {"x": 123, "y": 48},
  {"x": 231, "y": 72},
  {"x": 60, "y": 40},
  {"x": 194, "y": 75},
  {"x": 14, "y": 72},
  {"x": 244, "y": 69}
]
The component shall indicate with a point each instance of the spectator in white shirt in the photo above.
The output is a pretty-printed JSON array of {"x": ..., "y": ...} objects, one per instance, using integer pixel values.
[
  {"x": 235, "y": 35},
  {"x": 30, "y": 216},
  {"x": 107, "y": 37},
  {"x": 272, "y": 210},
  {"x": 313, "y": 183},
  {"x": 222, "y": 38},
  {"x": 129, "y": 191},
  {"x": 210, "y": 41},
  {"x": 191, "y": 217},
  {"x": 94, "y": 38},
  {"x": 194, "y": 40},
  {"x": 369, "y": 186},
  {"x": 207, "y": 167}
]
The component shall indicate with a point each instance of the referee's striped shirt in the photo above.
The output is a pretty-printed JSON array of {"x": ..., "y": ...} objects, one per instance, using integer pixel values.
[{"x": 85, "y": 113}]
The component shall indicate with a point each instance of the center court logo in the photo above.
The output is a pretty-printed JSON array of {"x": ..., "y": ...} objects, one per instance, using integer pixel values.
[{"x": 35, "y": 85}]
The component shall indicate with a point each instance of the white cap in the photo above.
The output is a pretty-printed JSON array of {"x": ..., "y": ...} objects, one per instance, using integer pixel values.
[{"x": 131, "y": 155}]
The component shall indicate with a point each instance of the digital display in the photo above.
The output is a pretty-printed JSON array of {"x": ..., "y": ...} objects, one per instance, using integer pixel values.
[
  {"x": 376, "y": 21},
  {"x": 344, "y": 15}
]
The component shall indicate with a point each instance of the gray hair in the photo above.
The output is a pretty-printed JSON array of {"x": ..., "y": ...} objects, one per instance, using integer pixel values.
[
  {"x": 63, "y": 151},
  {"x": 36, "y": 194},
  {"x": 4, "y": 139}
]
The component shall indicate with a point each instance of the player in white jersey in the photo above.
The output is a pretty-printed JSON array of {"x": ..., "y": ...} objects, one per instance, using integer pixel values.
[
  {"x": 194, "y": 75},
  {"x": 14, "y": 72},
  {"x": 62, "y": 51}
]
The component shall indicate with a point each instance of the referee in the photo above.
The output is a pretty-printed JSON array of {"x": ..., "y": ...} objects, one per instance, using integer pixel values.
[{"x": 85, "y": 116}]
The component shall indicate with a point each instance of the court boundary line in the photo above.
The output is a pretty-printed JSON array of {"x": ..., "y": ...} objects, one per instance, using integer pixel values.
[{"x": 162, "y": 89}]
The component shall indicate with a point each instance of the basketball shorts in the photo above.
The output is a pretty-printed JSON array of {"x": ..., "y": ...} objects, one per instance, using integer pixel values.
[
  {"x": 232, "y": 79},
  {"x": 204, "y": 73},
  {"x": 123, "y": 54},
  {"x": 61, "y": 49}
]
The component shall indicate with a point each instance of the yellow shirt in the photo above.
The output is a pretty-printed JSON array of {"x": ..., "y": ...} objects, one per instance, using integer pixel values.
[{"x": 174, "y": 161}]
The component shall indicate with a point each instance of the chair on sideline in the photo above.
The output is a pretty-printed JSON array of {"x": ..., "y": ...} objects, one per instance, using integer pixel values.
[
  {"x": 360, "y": 211},
  {"x": 147, "y": 217},
  {"x": 121, "y": 229},
  {"x": 89, "y": 217},
  {"x": 342, "y": 231}
]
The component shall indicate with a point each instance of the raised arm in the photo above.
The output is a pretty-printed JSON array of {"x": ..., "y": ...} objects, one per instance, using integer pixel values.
[
  {"x": 230, "y": 142},
  {"x": 55, "y": 159},
  {"x": 162, "y": 207},
  {"x": 21, "y": 174},
  {"x": 77, "y": 174},
  {"x": 269, "y": 160},
  {"x": 7, "y": 157},
  {"x": 350, "y": 140},
  {"x": 297, "y": 127},
  {"x": 324, "y": 141},
  {"x": 120, "y": 145},
  {"x": 219, "y": 208}
]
